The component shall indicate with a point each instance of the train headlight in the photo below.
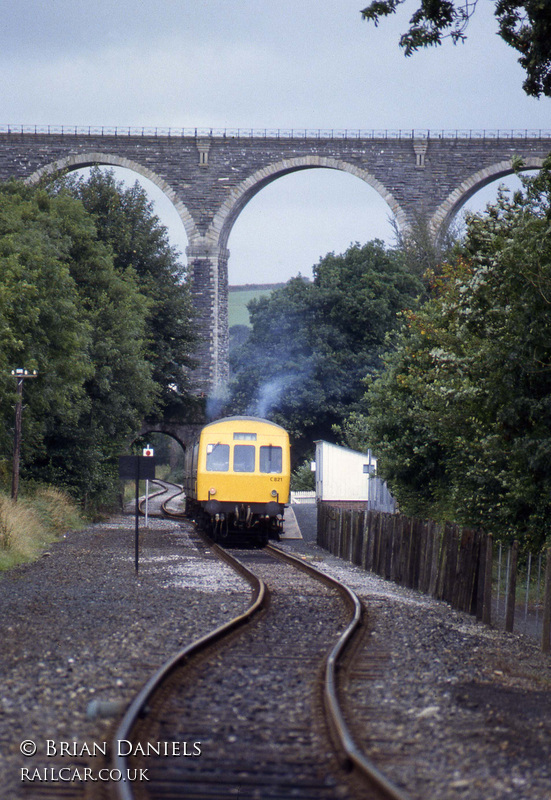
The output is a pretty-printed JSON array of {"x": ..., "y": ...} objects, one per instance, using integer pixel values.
[
  {"x": 212, "y": 492},
  {"x": 274, "y": 493}
]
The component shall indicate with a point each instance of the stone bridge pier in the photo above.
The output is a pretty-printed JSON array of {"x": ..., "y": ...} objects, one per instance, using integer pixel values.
[
  {"x": 210, "y": 176},
  {"x": 208, "y": 266}
]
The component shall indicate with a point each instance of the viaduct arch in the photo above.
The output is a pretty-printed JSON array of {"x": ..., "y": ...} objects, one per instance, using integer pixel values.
[
  {"x": 230, "y": 209},
  {"x": 210, "y": 178},
  {"x": 456, "y": 199}
]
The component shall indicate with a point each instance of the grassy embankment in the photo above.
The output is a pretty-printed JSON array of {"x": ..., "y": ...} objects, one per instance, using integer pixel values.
[
  {"x": 239, "y": 296},
  {"x": 28, "y": 526}
]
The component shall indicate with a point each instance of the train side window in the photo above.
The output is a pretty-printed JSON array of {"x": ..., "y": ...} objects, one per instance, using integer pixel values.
[
  {"x": 218, "y": 457},
  {"x": 243, "y": 458},
  {"x": 271, "y": 458}
]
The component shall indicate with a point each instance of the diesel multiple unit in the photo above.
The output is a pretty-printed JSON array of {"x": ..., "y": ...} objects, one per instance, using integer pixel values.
[{"x": 236, "y": 477}]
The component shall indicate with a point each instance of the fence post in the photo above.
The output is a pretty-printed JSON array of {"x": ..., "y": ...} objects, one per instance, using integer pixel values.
[
  {"x": 345, "y": 546},
  {"x": 343, "y": 536},
  {"x": 436, "y": 535},
  {"x": 459, "y": 581},
  {"x": 377, "y": 543},
  {"x": 379, "y": 553},
  {"x": 512, "y": 590},
  {"x": 477, "y": 605},
  {"x": 372, "y": 517},
  {"x": 499, "y": 560},
  {"x": 546, "y": 633},
  {"x": 358, "y": 535},
  {"x": 444, "y": 562},
  {"x": 409, "y": 552},
  {"x": 365, "y": 538},
  {"x": 425, "y": 558},
  {"x": 419, "y": 549},
  {"x": 320, "y": 527},
  {"x": 395, "y": 557},
  {"x": 487, "y": 607},
  {"x": 450, "y": 579},
  {"x": 355, "y": 537}
]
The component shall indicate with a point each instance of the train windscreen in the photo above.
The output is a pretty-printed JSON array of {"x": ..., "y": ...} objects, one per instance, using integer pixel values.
[
  {"x": 243, "y": 457},
  {"x": 218, "y": 457},
  {"x": 271, "y": 458}
]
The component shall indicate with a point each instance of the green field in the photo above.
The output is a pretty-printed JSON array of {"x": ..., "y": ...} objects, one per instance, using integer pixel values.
[{"x": 238, "y": 298}]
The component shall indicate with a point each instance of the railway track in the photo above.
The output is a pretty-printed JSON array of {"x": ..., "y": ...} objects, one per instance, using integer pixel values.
[
  {"x": 245, "y": 712},
  {"x": 161, "y": 498}
]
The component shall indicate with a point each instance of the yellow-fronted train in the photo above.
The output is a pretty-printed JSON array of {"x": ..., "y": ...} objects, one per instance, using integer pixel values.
[{"x": 236, "y": 479}]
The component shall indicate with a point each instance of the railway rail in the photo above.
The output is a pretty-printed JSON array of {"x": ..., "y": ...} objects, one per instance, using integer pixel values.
[
  {"x": 256, "y": 700},
  {"x": 158, "y": 503}
]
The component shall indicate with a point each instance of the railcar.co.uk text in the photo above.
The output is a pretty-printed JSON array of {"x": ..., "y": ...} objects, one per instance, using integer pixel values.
[{"x": 51, "y": 748}]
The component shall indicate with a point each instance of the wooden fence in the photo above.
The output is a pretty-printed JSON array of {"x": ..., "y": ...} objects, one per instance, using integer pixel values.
[{"x": 445, "y": 561}]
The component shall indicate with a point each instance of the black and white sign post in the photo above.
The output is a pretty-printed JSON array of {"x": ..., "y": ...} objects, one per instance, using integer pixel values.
[
  {"x": 137, "y": 468},
  {"x": 147, "y": 452}
]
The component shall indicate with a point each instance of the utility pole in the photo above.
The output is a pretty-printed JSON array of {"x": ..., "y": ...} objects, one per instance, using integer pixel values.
[{"x": 20, "y": 375}]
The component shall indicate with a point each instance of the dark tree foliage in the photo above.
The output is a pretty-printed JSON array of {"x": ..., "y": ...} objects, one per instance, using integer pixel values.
[
  {"x": 69, "y": 313},
  {"x": 525, "y": 26},
  {"x": 126, "y": 222},
  {"x": 95, "y": 299},
  {"x": 311, "y": 344}
]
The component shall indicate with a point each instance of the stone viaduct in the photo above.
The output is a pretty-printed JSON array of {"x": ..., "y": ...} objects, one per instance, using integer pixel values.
[{"x": 211, "y": 175}]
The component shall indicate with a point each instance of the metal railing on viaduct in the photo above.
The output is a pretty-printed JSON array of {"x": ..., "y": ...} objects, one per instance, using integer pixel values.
[
  {"x": 211, "y": 174},
  {"x": 280, "y": 133}
]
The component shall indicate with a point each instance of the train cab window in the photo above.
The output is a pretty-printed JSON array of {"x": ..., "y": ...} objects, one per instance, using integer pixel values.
[
  {"x": 218, "y": 457},
  {"x": 270, "y": 459},
  {"x": 243, "y": 458}
]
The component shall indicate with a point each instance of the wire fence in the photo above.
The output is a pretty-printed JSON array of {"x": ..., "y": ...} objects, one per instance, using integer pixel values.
[
  {"x": 518, "y": 590},
  {"x": 273, "y": 133}
]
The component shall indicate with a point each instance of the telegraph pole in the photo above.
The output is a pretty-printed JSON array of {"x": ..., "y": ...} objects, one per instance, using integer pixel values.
[{"x": 20, "y": 375}]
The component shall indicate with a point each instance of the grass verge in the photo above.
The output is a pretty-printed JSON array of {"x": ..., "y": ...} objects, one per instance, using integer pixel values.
[{"x": 28, "y": 526}]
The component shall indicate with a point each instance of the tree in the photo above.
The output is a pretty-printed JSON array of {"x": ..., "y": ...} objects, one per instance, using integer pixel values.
[
  {"x": 303, "y": 478},
  {"x": 525, "y": 26},
  {"x": 126, "y": 222},
  {"x": 397, "y": 418},
  {"x": 37, "y": 292},
  {"x": 312, "y": 343},
  {"x": 461, "y": 416},
  {"x": 422, "y": 254},
  {"x": 122, "y": 389},
  {"x": 68, "y": 312}
]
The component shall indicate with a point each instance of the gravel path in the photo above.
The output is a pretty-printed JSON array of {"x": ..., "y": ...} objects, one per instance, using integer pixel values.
[
  {"x": 81, "y": 633},
  {"x": 466, "y": 710}
]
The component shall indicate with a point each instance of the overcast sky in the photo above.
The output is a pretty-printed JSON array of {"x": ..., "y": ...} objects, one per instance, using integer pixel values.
[{"x": 248, "y": 63}]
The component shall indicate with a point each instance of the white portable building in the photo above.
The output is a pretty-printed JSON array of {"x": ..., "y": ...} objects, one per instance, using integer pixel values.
[
  {"x": 345, "y": 475},
  {"x": 342, "y": 473}
]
